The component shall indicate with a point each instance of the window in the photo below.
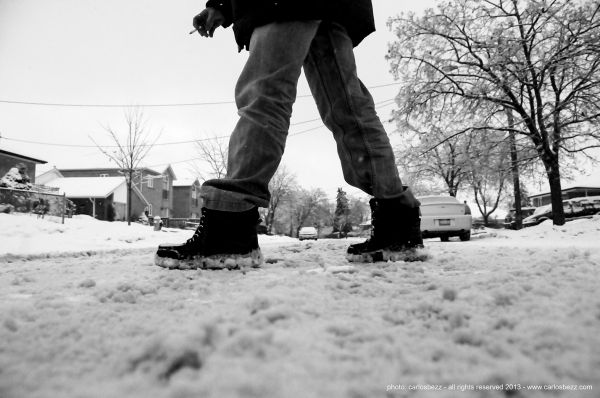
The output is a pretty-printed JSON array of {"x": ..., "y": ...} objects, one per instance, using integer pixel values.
[
  {"x": 165, "y": 193},
  {"x": 149, "y": 209},
  {"x": 150, "y": 181}
]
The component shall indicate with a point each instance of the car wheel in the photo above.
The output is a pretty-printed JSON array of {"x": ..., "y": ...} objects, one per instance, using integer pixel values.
[
  {"x": 466, "y": 236},
  {"x": 444, "y": 238}
]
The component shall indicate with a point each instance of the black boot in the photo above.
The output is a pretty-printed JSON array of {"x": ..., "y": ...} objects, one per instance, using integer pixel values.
[
  {"x": 395, "y": 234},
  {"x": 222, "y": 240}
]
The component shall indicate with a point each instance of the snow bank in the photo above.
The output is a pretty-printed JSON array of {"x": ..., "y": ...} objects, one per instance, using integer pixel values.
[{"x": 29, "y": 236}]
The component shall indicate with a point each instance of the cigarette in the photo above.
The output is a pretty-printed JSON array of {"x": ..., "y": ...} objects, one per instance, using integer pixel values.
[{"x": 194, "y": 31}]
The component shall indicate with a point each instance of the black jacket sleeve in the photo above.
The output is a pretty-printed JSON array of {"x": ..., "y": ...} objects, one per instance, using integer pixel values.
[{"x": 225, "y": 7}]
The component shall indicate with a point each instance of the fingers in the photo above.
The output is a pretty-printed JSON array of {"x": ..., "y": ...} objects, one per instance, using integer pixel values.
[
  {"x": 213, "y": 22},
  {"x": 200, "y": 21},
  {"x": 207, "y": 22}
]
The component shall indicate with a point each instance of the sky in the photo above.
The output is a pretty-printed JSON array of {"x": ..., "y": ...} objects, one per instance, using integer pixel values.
[{"x": 136, "y": 52}]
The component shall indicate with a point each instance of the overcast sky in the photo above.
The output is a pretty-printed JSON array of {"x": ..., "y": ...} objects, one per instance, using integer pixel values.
[{"x": 139, "y": 52}]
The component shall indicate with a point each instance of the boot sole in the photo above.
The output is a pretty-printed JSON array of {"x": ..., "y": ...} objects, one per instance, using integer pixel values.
[
  {"x": 407, "y": 255},
  {"x": 218, "y": 261}
]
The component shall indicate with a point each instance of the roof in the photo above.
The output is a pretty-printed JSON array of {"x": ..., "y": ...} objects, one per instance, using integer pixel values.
[
  {"x": 87, "y": 187},
  {"x": 568, "y": 189},
  {"x": 16, "y": 155},
  {"x": 99, "y": 169},
  {"x": 580, "y": 182},
  {"x": 52, "y": 171},
  {"x": 186, "y": 182},
  {"x": 169, "y": 170}
]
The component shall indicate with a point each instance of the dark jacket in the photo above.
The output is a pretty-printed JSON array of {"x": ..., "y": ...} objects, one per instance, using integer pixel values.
[{"x": 245, "y": 15}]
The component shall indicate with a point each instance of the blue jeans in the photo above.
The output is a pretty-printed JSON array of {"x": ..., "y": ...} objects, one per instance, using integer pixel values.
[{"x": 265, "y": 93}]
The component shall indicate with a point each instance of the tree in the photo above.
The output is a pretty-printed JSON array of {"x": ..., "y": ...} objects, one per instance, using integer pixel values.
[
  {"x": 434, "y": 155},
  {"x": 341, "y": 213},
  {"x": 489, "y": 172},
  {"x": 213, "y": 158},
  {"x": 129, "y": 150},
  {"x": 280, "y": 187},
  {"x": 540, "y": 59},
  {"x": 359, "y": 210},
  {"x": 306, "y": 208}
]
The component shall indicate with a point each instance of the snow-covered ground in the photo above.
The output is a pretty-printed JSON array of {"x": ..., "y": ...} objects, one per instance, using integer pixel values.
[{"x": 84, "y": 313}]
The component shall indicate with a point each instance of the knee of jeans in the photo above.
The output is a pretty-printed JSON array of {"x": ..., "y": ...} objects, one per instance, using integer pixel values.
[{"x": 267, "y": 115}]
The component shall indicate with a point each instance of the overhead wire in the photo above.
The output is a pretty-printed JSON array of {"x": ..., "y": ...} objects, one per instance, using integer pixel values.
[
  {"x": 183, "y": 104},
  {"x": 378, "y": 105}
]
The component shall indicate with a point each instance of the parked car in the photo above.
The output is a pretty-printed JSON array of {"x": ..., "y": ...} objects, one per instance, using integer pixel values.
[
  {"x": 445, "y": 216},
  {"x": 540, "y": 215},
  {"x": 584, "y": 206},
  {"x": 509, "y": 220},
  {"x": 308, "y": 233}
]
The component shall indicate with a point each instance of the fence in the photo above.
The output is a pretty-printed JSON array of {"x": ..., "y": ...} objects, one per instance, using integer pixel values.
[{"x": 34, "y": 201}]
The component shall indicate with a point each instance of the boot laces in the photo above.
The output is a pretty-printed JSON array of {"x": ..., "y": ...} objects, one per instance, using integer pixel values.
[
  {"x": 374, "y": 212},
  {"x": 199, "y": 230}
]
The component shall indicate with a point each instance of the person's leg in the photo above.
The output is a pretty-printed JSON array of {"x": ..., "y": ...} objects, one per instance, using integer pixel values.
[
  {"x": 265, "y": 93},
  {"x": 367, "y": 158},
  {"x": 347, "y": 109}
]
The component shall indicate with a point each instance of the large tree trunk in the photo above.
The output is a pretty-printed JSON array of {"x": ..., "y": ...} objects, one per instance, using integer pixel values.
[
  {"x": 553, "y": 172},
  {"x": 514, "y": 165}
]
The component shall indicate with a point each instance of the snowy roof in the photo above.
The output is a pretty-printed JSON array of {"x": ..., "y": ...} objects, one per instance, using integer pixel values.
[
  {"x": 186, "y": 182},
  {"x": 87, "y": 187},
  {"x": 589, "y": 182}
]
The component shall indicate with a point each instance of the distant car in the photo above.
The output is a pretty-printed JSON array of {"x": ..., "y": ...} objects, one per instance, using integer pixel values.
[
  {"x": 509, "y": 220},
  {"x": 445, "y": 216},
  {"x": 540, "y": 215},
  {"x": 574, "y": 208},
  {"x": 308, "y": 233}
]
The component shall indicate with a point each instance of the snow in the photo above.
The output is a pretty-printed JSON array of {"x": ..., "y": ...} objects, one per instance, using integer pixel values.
[
  {"x": 87, "y": 187},
  {"x": 185, "y": 182},
  {"x": 84, "y": 313}
]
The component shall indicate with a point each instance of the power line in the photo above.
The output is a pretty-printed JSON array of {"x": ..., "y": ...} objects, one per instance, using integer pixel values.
[
  {"x": 378, "y": 105},
  {"x": 105, "y": 146},
  {"x": 291, "y": 135},
  {"x": 183, "y": 104}
]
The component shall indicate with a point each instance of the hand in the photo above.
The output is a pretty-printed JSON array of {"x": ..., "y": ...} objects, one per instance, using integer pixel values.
[{"x": 207, "y": 21}]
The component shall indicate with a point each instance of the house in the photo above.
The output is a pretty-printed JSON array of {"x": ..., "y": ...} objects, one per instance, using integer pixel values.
[
  {"x": 157, "y": 189},
  {"x": 104, "y": 198},
  {"x": 47, "y": 176},
  {"x": 186, "y": 199},
  {"x": 8, "y": 160},
  {"x": 152, "y": 191},
  {"x": 568, "y": 192}
]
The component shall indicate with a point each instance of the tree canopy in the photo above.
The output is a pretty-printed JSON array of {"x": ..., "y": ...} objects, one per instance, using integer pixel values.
[{"x": 538, "y": 59}]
